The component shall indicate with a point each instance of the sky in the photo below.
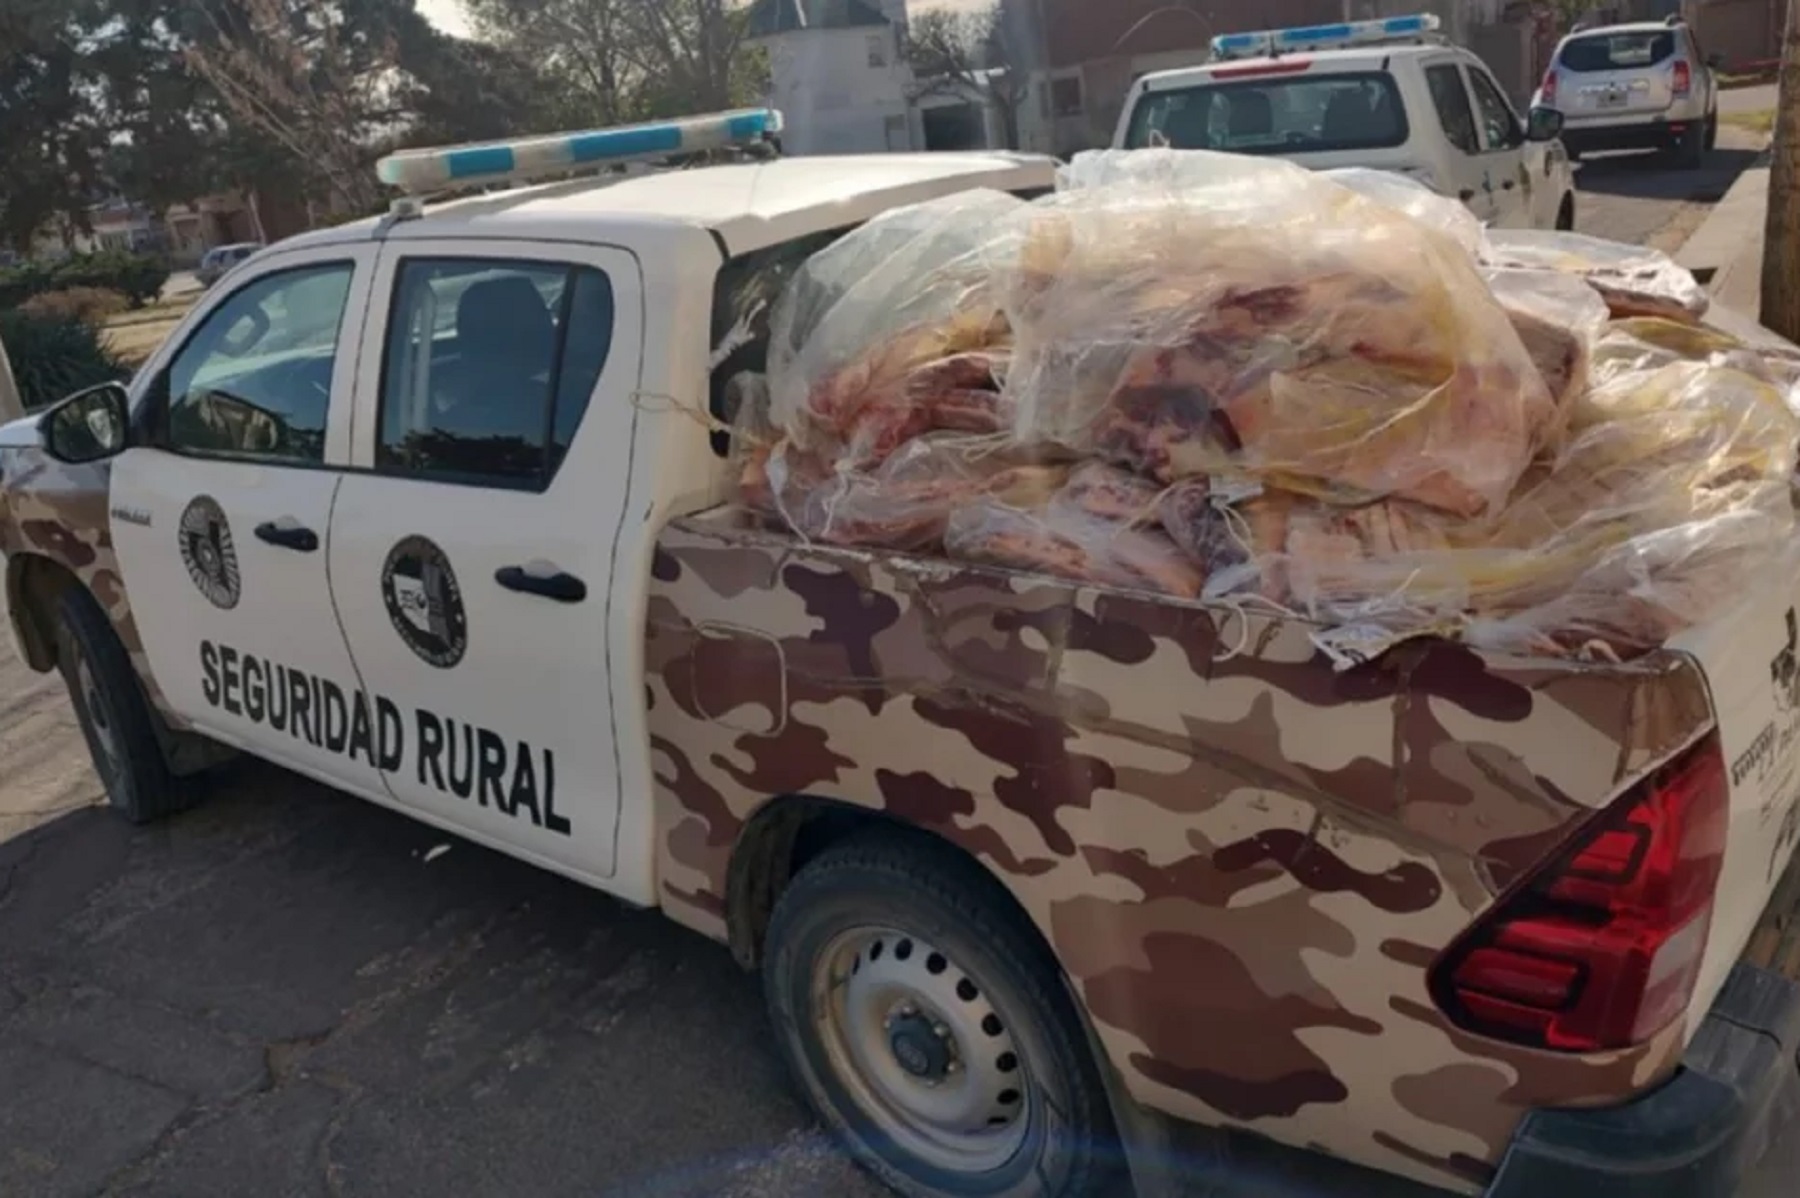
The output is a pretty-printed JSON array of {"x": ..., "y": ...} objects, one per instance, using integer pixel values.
[{"x": 448, "y": 14}]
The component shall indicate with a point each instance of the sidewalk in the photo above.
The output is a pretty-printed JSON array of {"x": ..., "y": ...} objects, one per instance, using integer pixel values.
[{"x": 1726, "y": 252}]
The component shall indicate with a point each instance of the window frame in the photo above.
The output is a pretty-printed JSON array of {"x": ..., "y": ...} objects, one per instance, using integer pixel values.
[
  {"x": 548, "y": 472},
  {"x": 1477, "y": 72},
  {"x": 1137, "y": 126},
  {"x": 151, "y": 409},
  {"x": 1456, "y": 72}
]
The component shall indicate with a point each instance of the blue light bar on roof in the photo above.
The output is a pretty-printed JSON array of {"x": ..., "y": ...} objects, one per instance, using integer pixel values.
[
  {"x": 516, "y": 161},
  {"x": 1324, "y": 37}
]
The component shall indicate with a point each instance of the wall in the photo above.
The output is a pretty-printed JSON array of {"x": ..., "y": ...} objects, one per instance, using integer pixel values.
[
  {"x": 1744, "y": 31},
  {"x": 835, "y": 97}
]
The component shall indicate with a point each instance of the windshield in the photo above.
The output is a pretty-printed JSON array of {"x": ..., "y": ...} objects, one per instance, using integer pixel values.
[
  {"x": 1618, "y": 51},
  {"x": 1315, "y": 115}
]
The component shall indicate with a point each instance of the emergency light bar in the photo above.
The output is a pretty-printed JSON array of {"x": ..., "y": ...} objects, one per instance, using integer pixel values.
[
  {"x": 524, "y": 159},
  {"x": 1271, "y": 42}
]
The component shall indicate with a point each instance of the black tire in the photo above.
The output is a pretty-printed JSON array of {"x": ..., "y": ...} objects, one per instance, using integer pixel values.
[
  {"x": 970, "y": 937},
  {"x": 115, "y": 717},
  {"x": 1712, "y": 133},
  {"x": 1565, "y": 216}
]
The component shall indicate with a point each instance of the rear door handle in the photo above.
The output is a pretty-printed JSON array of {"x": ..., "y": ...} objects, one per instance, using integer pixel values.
[
  {"x": 288, "y": 536},
  {"x": 549, "y": 582}
]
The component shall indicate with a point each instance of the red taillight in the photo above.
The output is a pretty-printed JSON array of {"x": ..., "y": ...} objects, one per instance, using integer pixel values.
[
  {"x": 1550, "y": 88},
  {"x": 1684, "y": 77},
  {"x": 1602, "y": 948}
]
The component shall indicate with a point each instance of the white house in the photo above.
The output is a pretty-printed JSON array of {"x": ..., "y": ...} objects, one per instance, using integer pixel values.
[{"x": 839, "y": 75}]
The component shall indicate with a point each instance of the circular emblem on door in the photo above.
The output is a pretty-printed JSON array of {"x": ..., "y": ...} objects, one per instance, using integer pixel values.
[
  {"x": 208, "y": 554},
  {"x": 419, "y": 590}
]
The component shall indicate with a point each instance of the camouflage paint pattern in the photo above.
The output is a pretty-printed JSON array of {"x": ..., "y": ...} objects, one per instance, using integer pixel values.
[
  {"x": 61, "y": 512},
  {"x": 1244, "y": 861}
]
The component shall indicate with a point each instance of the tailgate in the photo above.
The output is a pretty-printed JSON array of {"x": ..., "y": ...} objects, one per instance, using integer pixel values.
[{"x": 1751, "y": 659}]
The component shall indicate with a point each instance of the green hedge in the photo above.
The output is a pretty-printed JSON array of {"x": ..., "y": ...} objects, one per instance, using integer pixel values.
[
  {"x": 139, "y": 277},
  {"x": 53, "y": 356}
]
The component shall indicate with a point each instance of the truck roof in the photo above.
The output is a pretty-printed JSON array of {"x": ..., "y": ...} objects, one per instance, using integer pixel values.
[
  {"x": 746, "y": 205},
  {"x": 1352, "y": 58}
]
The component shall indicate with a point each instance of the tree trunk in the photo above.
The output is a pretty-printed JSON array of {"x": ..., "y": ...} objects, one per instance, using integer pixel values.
[{"x": 1781, "y": 257}]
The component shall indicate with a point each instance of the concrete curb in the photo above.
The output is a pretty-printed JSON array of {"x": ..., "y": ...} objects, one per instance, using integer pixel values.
[{"x": 1735, "y": 220}]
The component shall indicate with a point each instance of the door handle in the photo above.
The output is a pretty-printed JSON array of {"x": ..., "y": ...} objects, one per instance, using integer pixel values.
[
  {"x": 550, "y": 583},
  {"x": 288, "y": 536},
  {"x": 1467, "y": 194},
  {"x": 1509, "y": 185}
]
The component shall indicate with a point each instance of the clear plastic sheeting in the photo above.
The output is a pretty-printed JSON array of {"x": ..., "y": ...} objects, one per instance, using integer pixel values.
[
  {"x": 1265, "y": 322},
  {"x": 1232, "y": 380},
  {"x": 886, "y": 322},
  {"x": 1412, "y": 198},
  {"x": 1633, "y": 280}
]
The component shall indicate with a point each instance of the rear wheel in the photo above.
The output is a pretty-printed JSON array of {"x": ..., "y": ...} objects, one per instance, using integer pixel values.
[
  {"x": 1565, "y": 216},
  {"x": 1712, "y": 132},
  {"x": 1690, "y": 147},
  {"x": 115, "y": 718},
  {"x": 930, "y": 1028}
]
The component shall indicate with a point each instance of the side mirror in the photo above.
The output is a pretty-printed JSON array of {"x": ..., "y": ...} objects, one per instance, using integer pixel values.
[
  {"x": 88, "y": 426},
  {"x": 1544, "y": 124}
]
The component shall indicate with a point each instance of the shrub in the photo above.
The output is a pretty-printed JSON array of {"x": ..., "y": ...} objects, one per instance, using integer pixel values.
[
  {"x": 138, "y": 277},
  {"x": 90, "y": 305},
  {"x": 53, "y": 356}
]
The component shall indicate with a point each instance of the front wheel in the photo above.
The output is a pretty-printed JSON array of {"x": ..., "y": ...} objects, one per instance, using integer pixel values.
[
  {"x": 115, "y": 718},
  {"x": 931, "y": 1029}
]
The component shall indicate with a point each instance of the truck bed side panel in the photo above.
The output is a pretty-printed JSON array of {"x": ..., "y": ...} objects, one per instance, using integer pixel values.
[{"x": 1245, "y": 862}]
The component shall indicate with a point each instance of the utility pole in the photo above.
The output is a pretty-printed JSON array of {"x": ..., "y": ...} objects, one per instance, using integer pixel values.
[{"x": 1781, "y": 254}]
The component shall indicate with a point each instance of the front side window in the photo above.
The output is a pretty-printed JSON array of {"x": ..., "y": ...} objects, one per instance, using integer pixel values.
[
  {"x": 1451, "y": 100},
  {"x": 1293, "y": 115},
  {"x": 1499, "y": 124},
  {"x": 255, "y": 379},
  {"x": 490, "y": 367}
]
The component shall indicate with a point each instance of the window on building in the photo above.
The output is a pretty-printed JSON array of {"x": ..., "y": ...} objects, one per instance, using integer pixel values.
[
  {"x": 1065, "y": 96},
  {"x": 490, "y": 368},
  {"x": 1451, "y": 97}
]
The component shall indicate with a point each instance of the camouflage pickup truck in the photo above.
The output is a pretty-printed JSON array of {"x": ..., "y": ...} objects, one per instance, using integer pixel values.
[{"x": 1033, "y": 872}]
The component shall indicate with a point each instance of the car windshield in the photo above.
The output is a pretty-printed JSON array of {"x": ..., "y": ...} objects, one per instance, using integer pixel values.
[
  {"x": 1618, "y": 51},
  {"x": 1317, "y": 115}
]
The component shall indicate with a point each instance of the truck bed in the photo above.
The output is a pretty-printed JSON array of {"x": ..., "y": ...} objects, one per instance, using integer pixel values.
[{"x": 1245, "y": 861}]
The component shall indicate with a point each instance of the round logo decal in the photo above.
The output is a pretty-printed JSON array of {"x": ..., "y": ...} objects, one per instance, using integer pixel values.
[
  {"x": 423, "y": 601},
  {"x": 208, "y": 554}
]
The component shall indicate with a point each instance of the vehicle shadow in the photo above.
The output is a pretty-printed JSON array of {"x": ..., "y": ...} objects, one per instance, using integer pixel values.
[{"x": 1652, "y": 176}]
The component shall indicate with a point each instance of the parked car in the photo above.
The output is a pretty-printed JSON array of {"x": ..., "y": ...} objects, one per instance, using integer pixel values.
[
  {"x": 1635, "y": 87},
  {"x": 222, "y": 258},
  {"x": 1385, "y": 94},
  {"x": 1029, "y": 867}
]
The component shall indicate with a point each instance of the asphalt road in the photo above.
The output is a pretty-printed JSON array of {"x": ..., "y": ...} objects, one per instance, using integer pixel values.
[{"x": 278, "y": 995}]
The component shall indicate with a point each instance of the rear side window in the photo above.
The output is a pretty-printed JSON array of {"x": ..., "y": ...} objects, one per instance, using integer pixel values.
[
  {"x": 1618, "y": 51},
  {"x": 490, "y": 366},
  {"x": 1290, "y": 115},
  {"x": 1451, "y": 99}
]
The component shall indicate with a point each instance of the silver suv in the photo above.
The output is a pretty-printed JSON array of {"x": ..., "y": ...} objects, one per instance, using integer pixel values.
[{"x": 1635, "y": 87}]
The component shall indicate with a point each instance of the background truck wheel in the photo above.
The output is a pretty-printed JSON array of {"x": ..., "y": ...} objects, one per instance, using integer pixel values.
[
  {"x": 931, "y": 1029},
  {"x": 115, "y": 718}
]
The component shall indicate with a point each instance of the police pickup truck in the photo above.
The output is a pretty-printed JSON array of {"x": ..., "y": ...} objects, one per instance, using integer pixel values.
[
  {"x": 432, "y": 509},
  {"x": 1386, "y": 94}
]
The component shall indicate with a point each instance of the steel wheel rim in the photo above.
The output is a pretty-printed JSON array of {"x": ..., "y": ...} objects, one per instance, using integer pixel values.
[
  {"x": 922, "y": 1050},
  {"x": 98, "y": 720}
]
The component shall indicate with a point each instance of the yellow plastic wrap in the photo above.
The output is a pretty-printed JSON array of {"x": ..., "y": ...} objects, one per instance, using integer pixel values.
[{"x": 1269, "y": 322}]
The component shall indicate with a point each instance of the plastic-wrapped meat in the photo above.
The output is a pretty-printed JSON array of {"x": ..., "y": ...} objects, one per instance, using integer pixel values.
[
  {"x": 1063, "y": 541},
  {"x": 1265, "y": 321},
  {"x": 1558, "y": 317},
  {"x": 1633, "y": 281},
  {"x": 1109, "y": 493}
]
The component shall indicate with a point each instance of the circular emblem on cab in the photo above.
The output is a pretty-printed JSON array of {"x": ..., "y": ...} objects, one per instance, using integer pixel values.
[
  {"x": 419, "y": 590},
  {"x": 208, "y": 554}
]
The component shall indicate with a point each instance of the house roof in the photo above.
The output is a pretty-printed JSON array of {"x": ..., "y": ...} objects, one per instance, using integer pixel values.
[
  {"x": 770, "y": 17},
  {"x": 747, "y": 205}
]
